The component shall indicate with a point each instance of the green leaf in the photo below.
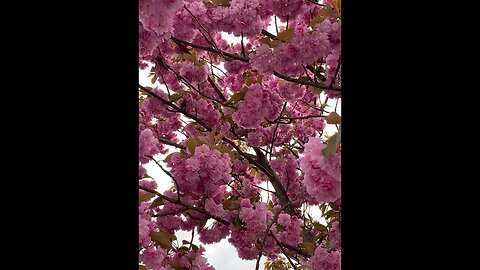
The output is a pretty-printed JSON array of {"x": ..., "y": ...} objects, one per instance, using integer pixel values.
[
  {"x": 308, "y": 247},
  {"x": 174, "y": 97},
  {"x": 221, "y": 3},
  {"x": 317, "y": 20},
  {"x": 333, "y": 118},
  {"x": 337, "y": 5},
  {"x": 330, "y": 213},
  {"x": 331, "y": 146},
  {"x": 142, "y": 267},
  {"x": 319, "y": 226},
  {"x": 177, "y": 266},
  {"x": 219, "y": 137},
  {"x": 286, "y": 35},
  {"x": 265, "y": 40},
  {"x": 326, "y": 11},
  {"x": 157, "y": 202},
  {"x": 146, "y": 196},
  {"x": 235, "y": 98},
  {"x": 231, "y": 204},
  {"x": 154, "y": 79},
  {"x": 329, "y": 245},
  {"x": 191, "y": 144},
  {"x": 163, "y": 239},
  {"x": 168, "y": 158},
  {"x": 316, "y": 90},
  {"x": 209, "y": 4},
  {"x": 211, "y": 137}
]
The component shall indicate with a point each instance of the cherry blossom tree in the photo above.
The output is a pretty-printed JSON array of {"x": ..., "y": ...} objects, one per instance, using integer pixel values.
[{"x": 238, "y": 129}]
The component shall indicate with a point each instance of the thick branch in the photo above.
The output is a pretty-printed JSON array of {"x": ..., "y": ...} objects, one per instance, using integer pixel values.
[{"x": 277, "y": 185}]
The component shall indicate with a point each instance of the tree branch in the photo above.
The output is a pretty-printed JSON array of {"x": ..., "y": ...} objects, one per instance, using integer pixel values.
[
  {"x": 276, "y": 183},
  {"x": 267, "y": 231},
  {"x": 290, "y": 79},
  {"x": 292, "y": 248},
  {"x": 283, "y": 250},
  {"x": 243, "y": 47},
  {"x": 262, "y": 162},
  {"x": 268, "y": 34},
  {"x": 275, "y": 130},
  {"x": 189, "y": 207},
  {"x": 211, "y": 41},
  {"x": 337, "y": 69},
  {"x": 169, "y": 174},
  {"x": 170, "y": 213},
  {"x": 187, "y": 114},
  {"x": 168, "y": 142},
  {"x": 233, "y": 56},
  {"x": 247, "y": 60},
  {"x": 215, "y": 87}
]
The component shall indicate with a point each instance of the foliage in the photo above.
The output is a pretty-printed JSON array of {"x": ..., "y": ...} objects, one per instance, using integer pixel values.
[{"x": 232, "y": 121}]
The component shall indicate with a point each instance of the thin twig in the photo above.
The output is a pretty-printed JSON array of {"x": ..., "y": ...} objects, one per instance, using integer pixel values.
[
  {"x": 233, "y": 56},
  {"x": 303, "y": 117},
  {"x": 275, "y": 131},
  {"x": 168, "y": 142},
  {"x": 273, "y": 192},
  {"x": 267, "y": 231},
  {"x": 165, "y": 83},
  {"x": 336, "y": 71},
  {"x": 169, "y": 174},
  {"x": 276, "y": 26},
  {"x": 283, "y": 250},
  {"x": 243, "y": 47},
  {"x": 215, "y": 87},
  {"x": 191, "y": 240},
  {"x": 211, "y": 41},
  {"x": 170, "y": 213},
  {"x": 268, "y": 34}
]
